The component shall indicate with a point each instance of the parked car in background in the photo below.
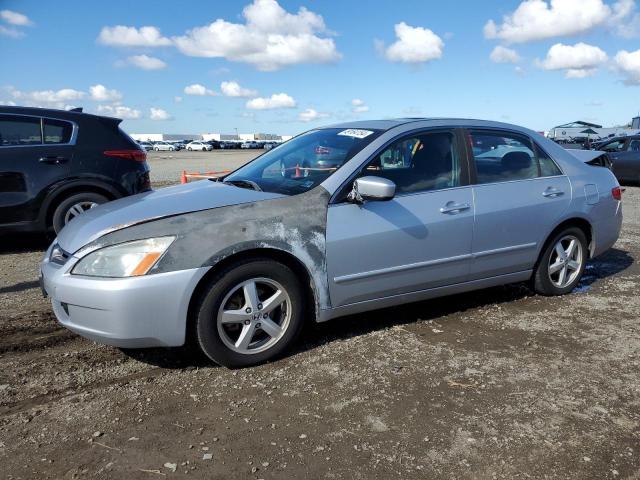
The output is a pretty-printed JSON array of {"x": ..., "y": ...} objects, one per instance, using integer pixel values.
[
  {"x": 56, "y": 164},
  {"x": 164, "y": 147},
  {"x": 236, "y": 266},
  {"x": 179, "y": 145},
  {"x": 624, "y": 153},
  {"x": 201, "y": 146},
  {"x": 146, "y": 146},
  {"x": 249, "y": 145},
  {"x": 215, "y": 144},
  {"x": 270, "y": 145}
]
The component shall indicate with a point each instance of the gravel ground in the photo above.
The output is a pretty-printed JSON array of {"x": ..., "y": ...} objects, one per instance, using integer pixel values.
[
  {"x": 167, "y": 167},
  {"x": 498, "y": 383}
]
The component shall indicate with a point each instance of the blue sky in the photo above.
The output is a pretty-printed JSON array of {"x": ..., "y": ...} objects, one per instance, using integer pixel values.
[{"x": 329, "y": 62}]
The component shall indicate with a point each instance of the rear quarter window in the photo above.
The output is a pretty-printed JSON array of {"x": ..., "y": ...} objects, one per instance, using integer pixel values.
[{"x": 57, "y": 131}]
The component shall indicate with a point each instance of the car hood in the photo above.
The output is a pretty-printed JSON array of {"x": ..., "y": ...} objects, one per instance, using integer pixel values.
[
  {"x": 585, "y": 155},
  {"x": 144, "y": 207}
]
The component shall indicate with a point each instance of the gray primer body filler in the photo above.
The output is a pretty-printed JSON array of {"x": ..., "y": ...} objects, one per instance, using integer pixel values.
[{"x": 295, "y": 224}]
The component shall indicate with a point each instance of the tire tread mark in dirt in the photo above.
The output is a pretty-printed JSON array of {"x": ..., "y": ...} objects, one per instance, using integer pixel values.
[{"x": 29, "y": 403}]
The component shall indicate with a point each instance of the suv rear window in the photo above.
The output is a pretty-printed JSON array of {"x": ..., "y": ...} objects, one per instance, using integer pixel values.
[
  {"x": 17, "y": 130},
  {"x": 57, "y": 131}
]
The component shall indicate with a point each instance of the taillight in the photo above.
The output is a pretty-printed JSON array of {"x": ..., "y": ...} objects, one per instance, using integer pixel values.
[
  {"x": 616, "y": 192},
  {"x": 132, "y": 154}
]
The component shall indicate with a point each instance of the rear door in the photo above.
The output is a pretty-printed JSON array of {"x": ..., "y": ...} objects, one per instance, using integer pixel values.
[
  {"x": 520, "y": 193},
  {"x": 35, "y": 153}
]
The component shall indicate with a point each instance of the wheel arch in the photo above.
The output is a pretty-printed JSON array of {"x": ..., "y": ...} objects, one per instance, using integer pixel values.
[
  {"x": 579, "y": 222},
  {"x": 60, "y": 193},
  {"x": 284, "y": 257}
]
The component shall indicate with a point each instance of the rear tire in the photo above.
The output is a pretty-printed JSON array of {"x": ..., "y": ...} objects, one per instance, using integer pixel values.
[
  {"x": 249, "y": 313},
  {"x": 73, "y": 206},
  {"x": 561, "y": 263}
]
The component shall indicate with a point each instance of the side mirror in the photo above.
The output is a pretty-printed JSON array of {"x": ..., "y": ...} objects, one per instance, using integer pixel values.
[{"x": 372, "y": 188}]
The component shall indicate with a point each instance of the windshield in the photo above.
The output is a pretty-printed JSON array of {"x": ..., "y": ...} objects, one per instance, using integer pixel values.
[{"x": 303, "y": 162}]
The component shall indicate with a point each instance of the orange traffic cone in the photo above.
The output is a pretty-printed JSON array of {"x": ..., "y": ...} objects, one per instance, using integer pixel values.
[{"x": 183, "y": 179}]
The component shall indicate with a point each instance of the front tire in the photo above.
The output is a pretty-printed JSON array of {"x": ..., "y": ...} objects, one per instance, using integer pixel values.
[
  {"x": 249, "y": 313},
  {"x": 74, "y": 206},
  {"x": 562, "y": 263}
]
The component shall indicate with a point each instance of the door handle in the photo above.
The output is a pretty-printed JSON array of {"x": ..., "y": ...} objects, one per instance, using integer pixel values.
[
  {"x": 53, "y": 160},
  {"x": 552, "y": 192},
  {"x": 455, "y": 207}
]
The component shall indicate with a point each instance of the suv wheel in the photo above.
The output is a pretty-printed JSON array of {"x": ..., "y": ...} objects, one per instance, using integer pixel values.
[
  {"x": 250, "y": 313},
  {"x": 74, "y": 206},
  {"x": 562, "y": 263}
]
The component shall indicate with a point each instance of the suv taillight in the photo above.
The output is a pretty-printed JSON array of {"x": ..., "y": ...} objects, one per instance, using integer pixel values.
[
  {"x": 616, "y": 192},
  {"x": 132, "y": 154}
]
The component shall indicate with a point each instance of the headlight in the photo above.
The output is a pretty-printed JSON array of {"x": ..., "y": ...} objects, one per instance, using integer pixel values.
[{"x": 124, "y": 260}]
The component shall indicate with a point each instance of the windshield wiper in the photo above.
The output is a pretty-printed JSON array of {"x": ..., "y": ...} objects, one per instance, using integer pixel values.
[{"x": 244, "y": 184}]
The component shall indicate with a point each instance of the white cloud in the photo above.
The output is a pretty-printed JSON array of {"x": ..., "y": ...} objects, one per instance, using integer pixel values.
[
  {"x": 8, "y": 103},
  {"x": 502, "y": 54},
  {"x": 159, "y": 114},
  {"x": 15, "y": 18},
  {"x": 52, "y": 98},
  {"x": 233, "y": 89},
  {"x": 413, "y": 45},
  {"x": 358, "y": 106},
  {"x": 123, "y": 36},
  {"x": 100, "y": 93},
  {"x": 628, "y": 64},
  {"x": 310, "y": 115},
  {"x": 146, "y": 62},
  {"x": 578, "y": 61},
  {"x": 539, "y": 19},
  {"x": 119, "y": 111},
  {"x": 277, "y": 100},
  {"x": 270, "y": 38},
  {"x": 177, "y": 99},
  {"x": 11, "y": 32},
  {"x": 199, "y": 90}
]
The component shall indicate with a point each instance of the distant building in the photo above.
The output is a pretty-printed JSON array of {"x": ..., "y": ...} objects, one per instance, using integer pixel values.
[
  {"x": 220, "y": 137},
  {"x": 581, "y": 130},
  {"x": 159, "y": 137}
]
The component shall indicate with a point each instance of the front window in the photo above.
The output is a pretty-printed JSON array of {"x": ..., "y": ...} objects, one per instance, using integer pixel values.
[
  {"x": 419, "y": 163},
  {"x": 303, "y": 162}
]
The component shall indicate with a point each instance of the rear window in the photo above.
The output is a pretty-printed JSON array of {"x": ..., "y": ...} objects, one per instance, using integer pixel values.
[
  {"x": 17, "y": 130},
  {"x": 57, "y": 131},
  {"x": 505, "y": 156}
]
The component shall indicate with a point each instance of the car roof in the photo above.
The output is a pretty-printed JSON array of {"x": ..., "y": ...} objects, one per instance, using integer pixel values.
[
  {"x": 52, "y": 112},
  {"x": 387, "y": 124}
]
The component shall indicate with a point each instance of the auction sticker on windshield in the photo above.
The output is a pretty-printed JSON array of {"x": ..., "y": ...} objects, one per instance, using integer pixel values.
[{"x": 356, "y": 133}]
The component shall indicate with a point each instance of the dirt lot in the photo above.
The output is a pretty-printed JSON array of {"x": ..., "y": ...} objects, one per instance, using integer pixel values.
[{"x": 492, "y": 384}]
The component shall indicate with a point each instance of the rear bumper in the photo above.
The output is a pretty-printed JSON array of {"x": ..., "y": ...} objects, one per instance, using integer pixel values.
[{"x": 147, "y": 311}]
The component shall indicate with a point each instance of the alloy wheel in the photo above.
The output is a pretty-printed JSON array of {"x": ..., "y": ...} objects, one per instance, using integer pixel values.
[
  {"x": 254, "y": 316},
  {"x": 565, "y": 261},
  {"x": 78, "y": 209}
]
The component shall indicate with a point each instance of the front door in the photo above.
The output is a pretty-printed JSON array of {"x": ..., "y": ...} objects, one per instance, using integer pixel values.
[{"x": 420, "y": 239}]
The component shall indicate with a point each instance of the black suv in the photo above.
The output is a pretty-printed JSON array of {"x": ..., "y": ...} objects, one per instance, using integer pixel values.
[{"x": 55, "y": 164}]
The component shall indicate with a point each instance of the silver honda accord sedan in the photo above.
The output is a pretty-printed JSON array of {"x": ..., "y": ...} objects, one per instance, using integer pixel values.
[{"x": 405, "y": 210}]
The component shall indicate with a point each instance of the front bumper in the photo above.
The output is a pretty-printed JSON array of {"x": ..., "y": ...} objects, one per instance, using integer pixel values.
[{"x": 146, "y": 311}]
